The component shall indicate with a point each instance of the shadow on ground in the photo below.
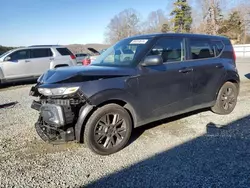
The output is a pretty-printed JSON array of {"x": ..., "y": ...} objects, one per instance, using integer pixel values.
[{"x": 219, "y": 158}]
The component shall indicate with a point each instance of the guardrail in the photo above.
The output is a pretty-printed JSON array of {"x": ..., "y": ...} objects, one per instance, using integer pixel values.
[{"x": 242, "y": 50}]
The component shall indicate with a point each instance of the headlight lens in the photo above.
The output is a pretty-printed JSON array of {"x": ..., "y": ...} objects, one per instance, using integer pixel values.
[{"x": 57, "y": 91}]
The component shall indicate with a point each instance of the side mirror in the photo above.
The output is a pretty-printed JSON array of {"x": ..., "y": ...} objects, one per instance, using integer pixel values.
[
  {"x": 152, "y": 60},
  {"x": 7, "y": 58}
]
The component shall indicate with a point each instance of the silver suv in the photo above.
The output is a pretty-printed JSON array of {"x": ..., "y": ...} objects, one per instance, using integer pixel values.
[{"x": 31, "y": 62}]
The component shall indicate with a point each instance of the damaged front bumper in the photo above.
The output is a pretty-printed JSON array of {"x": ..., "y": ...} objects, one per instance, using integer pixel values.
[{"x": 52, "y": 125}]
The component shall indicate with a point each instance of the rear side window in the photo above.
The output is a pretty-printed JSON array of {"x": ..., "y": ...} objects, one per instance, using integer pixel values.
[
  {"x": 64, "y": 51},
  {"x": 218, "y": 47},
  {"x": 201, "y": 49},
  {"x": 81, "y": 55},
  {"x": 42, "y": 52},
  {"x": 20, "y": 54},
  {"x": 170, "y": 49}
]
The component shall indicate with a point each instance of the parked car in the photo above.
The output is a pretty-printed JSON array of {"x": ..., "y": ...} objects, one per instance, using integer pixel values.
[
  {"x": 81, "y": 56},
  {"x": 95, "y": 54},
  {"x": 86, "y": 61},
  {"x": 31, "y": 62},
  {"x": 169, "y": 74}
]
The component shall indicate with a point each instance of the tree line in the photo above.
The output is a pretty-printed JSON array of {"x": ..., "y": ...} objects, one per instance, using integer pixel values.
[
  {"x": 216, "y": 17},
  {"x": 4, "y": 49}
]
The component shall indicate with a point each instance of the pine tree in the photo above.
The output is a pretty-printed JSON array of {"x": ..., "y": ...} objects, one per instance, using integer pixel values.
[
  {"x": 233, "y": 27},
  {"x": 182, "y": 16}
]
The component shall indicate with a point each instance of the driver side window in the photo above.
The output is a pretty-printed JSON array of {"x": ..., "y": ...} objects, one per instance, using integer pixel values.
[
  {"x": 19, "y": 55},
  {"x": 170, "y": 49}
]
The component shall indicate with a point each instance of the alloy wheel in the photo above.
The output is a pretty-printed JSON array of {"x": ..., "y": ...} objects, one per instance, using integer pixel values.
[
  {"x": 228, "y": 98},
  {"x": 110, "y": 130}
]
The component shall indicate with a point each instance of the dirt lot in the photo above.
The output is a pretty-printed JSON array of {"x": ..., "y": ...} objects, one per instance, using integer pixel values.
[{"x": 186, "y": 151}]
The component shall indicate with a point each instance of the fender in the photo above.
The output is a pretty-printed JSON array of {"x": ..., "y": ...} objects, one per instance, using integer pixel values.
[
  {"x": 118, "y": 95},
  {"x": 84, "y": 112},
  {"x": 99, "y": 99},
  {"x": 232, "y": 76}
]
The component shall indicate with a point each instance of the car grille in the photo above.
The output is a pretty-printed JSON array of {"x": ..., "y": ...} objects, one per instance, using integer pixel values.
[{"x": 62, "y": 102}]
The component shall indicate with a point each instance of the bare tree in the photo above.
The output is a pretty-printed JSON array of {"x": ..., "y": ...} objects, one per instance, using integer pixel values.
[
  {"x": 212, "y": 15},
  {"x": 125, "y": 24},
  {"x": 156, "y": 22},
  {"x": 243, "y": 8}
]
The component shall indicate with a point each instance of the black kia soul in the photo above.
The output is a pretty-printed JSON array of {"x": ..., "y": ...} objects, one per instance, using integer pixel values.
[{"x": 138, "y": 80}]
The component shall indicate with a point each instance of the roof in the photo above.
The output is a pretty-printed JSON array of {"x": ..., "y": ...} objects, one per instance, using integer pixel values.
[
  {"x": 37, "y": 46},
  {"x": 44, "y": 46},
  {"x": 153, "y": 35}
]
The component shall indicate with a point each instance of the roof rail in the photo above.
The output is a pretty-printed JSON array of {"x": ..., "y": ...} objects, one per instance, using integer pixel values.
[{"x": 43, "y": 45}]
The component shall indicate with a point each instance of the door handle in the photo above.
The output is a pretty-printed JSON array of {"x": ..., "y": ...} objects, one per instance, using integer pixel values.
[
  {"x": 186, "y": 70},
  {"x": 51, "y": 58},
  {"x": 26, "y": 61},
  {"x": 219, "y": 66}
]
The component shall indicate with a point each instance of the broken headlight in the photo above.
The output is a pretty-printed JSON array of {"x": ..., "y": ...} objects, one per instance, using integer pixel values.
[{"x": 57, "y": 91}]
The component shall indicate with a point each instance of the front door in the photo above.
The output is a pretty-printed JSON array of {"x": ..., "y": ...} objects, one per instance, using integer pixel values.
[
  {"x": 166, "y": 89},
  {"x": 18, "y": 65}
]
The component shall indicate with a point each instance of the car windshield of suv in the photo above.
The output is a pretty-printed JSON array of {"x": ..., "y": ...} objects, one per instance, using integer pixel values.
[
  {"x": 5, "y": 53},
  {"x": 123, "y": 53}
]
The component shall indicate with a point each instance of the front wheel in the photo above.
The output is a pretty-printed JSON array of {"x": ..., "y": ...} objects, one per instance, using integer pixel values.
[
  {"x": 108, "y": 129},
  {"x": 226, "y": 99}
]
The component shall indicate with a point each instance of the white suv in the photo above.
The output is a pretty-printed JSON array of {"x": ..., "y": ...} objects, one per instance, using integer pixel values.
[{"x": 31, "y": 62}]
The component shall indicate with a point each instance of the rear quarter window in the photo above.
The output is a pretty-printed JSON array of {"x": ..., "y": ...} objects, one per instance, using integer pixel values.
[
  {"x": 218, "y": 47},
  {"x": 201, "y": 48},
  {"x": 64, "y": 51}
]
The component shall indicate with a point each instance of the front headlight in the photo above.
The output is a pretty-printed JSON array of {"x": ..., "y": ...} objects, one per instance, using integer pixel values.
[{"x": 57, "y": 91}]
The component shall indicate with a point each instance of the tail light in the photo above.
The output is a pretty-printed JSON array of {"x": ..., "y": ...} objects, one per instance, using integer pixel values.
[
  {"x": 73, "y": 56},
  {"x": 234, "y": 55},
  {"x": 86, "y": 62}
]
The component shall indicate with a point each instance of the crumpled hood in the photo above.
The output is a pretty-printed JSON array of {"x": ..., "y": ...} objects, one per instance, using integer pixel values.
[{"x": 83, "y": 73}]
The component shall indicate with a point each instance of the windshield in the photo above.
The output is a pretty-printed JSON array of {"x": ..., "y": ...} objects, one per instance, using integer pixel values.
[
  {"x": 5, "y": 53},
  {"x": 123, "y": 53}
]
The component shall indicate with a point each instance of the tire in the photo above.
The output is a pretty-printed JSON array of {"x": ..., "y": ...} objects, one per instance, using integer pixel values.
[
  {"x": 226, "y": 99},
  {"x": 105, "y": 137}
]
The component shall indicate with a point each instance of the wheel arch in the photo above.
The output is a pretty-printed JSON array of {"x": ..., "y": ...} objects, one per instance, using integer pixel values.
[
  {"x": 230, "y": 77},
  {"x": 88, "y": 109}
]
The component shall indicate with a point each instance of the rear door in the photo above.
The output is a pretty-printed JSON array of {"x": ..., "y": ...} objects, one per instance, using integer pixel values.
[
  {"x": 40, "y": 60},
  {"x": 18, "y": 66},
  {"x": 209, "y": 71}
]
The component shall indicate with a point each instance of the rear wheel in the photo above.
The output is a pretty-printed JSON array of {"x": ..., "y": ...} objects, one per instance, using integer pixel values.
[
  {"x": 226, "y": 99},
  {"x": 108, "y": 129}
]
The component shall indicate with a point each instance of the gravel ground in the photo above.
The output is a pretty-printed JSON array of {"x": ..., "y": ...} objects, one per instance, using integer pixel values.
[{"x": 186, "y": 151}]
